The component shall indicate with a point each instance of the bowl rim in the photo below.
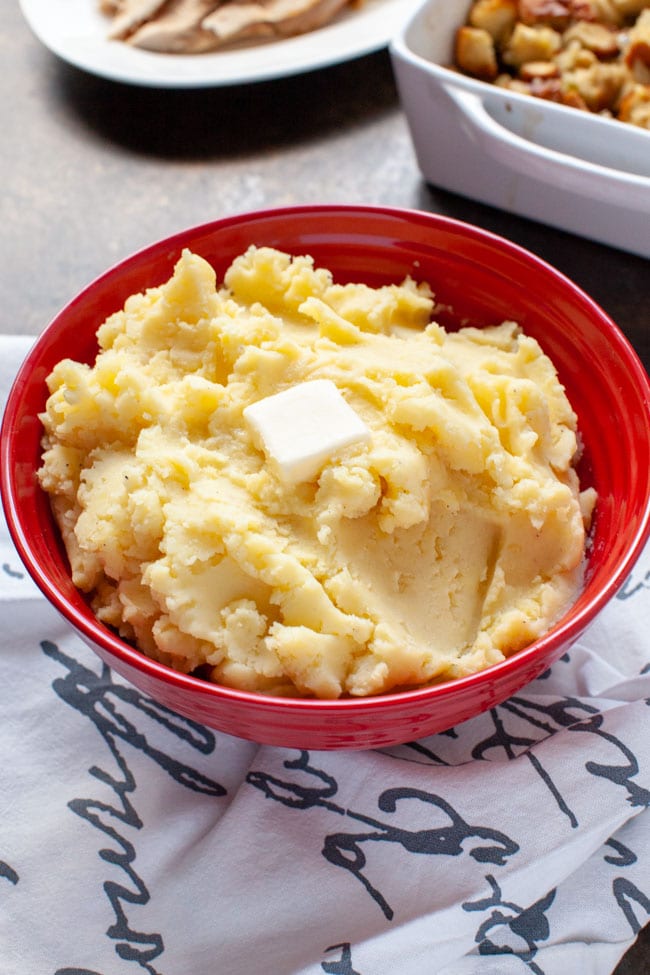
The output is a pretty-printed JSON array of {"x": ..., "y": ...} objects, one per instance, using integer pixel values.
[{"x": 566, "y": 630}]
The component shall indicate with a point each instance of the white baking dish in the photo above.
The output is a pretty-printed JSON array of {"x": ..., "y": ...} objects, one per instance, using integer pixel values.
[{"x": 580, "y": 172}]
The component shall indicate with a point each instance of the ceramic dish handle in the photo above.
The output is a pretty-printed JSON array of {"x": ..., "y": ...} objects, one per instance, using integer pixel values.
[{"x": 569, "y": 173}]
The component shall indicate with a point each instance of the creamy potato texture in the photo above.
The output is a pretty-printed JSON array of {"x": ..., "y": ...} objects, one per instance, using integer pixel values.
[{"x": 451, "y": 539}]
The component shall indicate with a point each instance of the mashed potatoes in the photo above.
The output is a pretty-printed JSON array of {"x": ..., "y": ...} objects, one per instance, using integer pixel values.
[{"x": 448, "y": 538}]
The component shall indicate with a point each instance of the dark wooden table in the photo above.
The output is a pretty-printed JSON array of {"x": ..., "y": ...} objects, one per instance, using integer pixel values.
[{"x": 92, "y": 170}]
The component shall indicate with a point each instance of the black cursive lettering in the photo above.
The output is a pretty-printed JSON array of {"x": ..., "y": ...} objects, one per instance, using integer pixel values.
[
  {"x": 113, "y": 709},
  {"x": 625, "y": 892},
  {"x": 347, "y": 850},
  {"x": 342, "y": 966},
  {"x": 8, "y": 873}
]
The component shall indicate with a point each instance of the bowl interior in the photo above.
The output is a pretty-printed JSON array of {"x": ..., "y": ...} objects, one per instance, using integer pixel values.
[{"x": 485, "y": 280}]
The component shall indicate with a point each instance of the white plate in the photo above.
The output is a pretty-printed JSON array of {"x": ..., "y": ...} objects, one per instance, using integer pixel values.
[{"x": 76, "y": 32}]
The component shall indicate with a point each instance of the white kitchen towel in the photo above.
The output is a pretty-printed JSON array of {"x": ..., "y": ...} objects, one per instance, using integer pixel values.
[{"x": 134, "y": 840}]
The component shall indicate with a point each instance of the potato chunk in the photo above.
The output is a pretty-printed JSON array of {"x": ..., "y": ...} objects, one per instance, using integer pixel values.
[
  {"x": 497, "y": 17},
  {"x": 531, "y": 44},
  {"x": 475, "y": 53}
]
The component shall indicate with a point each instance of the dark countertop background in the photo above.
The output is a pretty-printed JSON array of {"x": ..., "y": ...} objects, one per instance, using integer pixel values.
[{"x": 93, "y": 170}]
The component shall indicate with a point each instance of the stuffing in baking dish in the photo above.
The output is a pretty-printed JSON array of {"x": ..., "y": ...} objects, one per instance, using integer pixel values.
[{"x": 589, "y": 54}]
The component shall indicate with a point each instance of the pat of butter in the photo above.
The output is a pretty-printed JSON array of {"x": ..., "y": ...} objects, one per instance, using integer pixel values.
[{"x": 303, "y": 426}]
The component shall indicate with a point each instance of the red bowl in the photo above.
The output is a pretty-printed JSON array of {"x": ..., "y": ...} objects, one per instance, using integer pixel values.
[{"x": 484, "y": 278}]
